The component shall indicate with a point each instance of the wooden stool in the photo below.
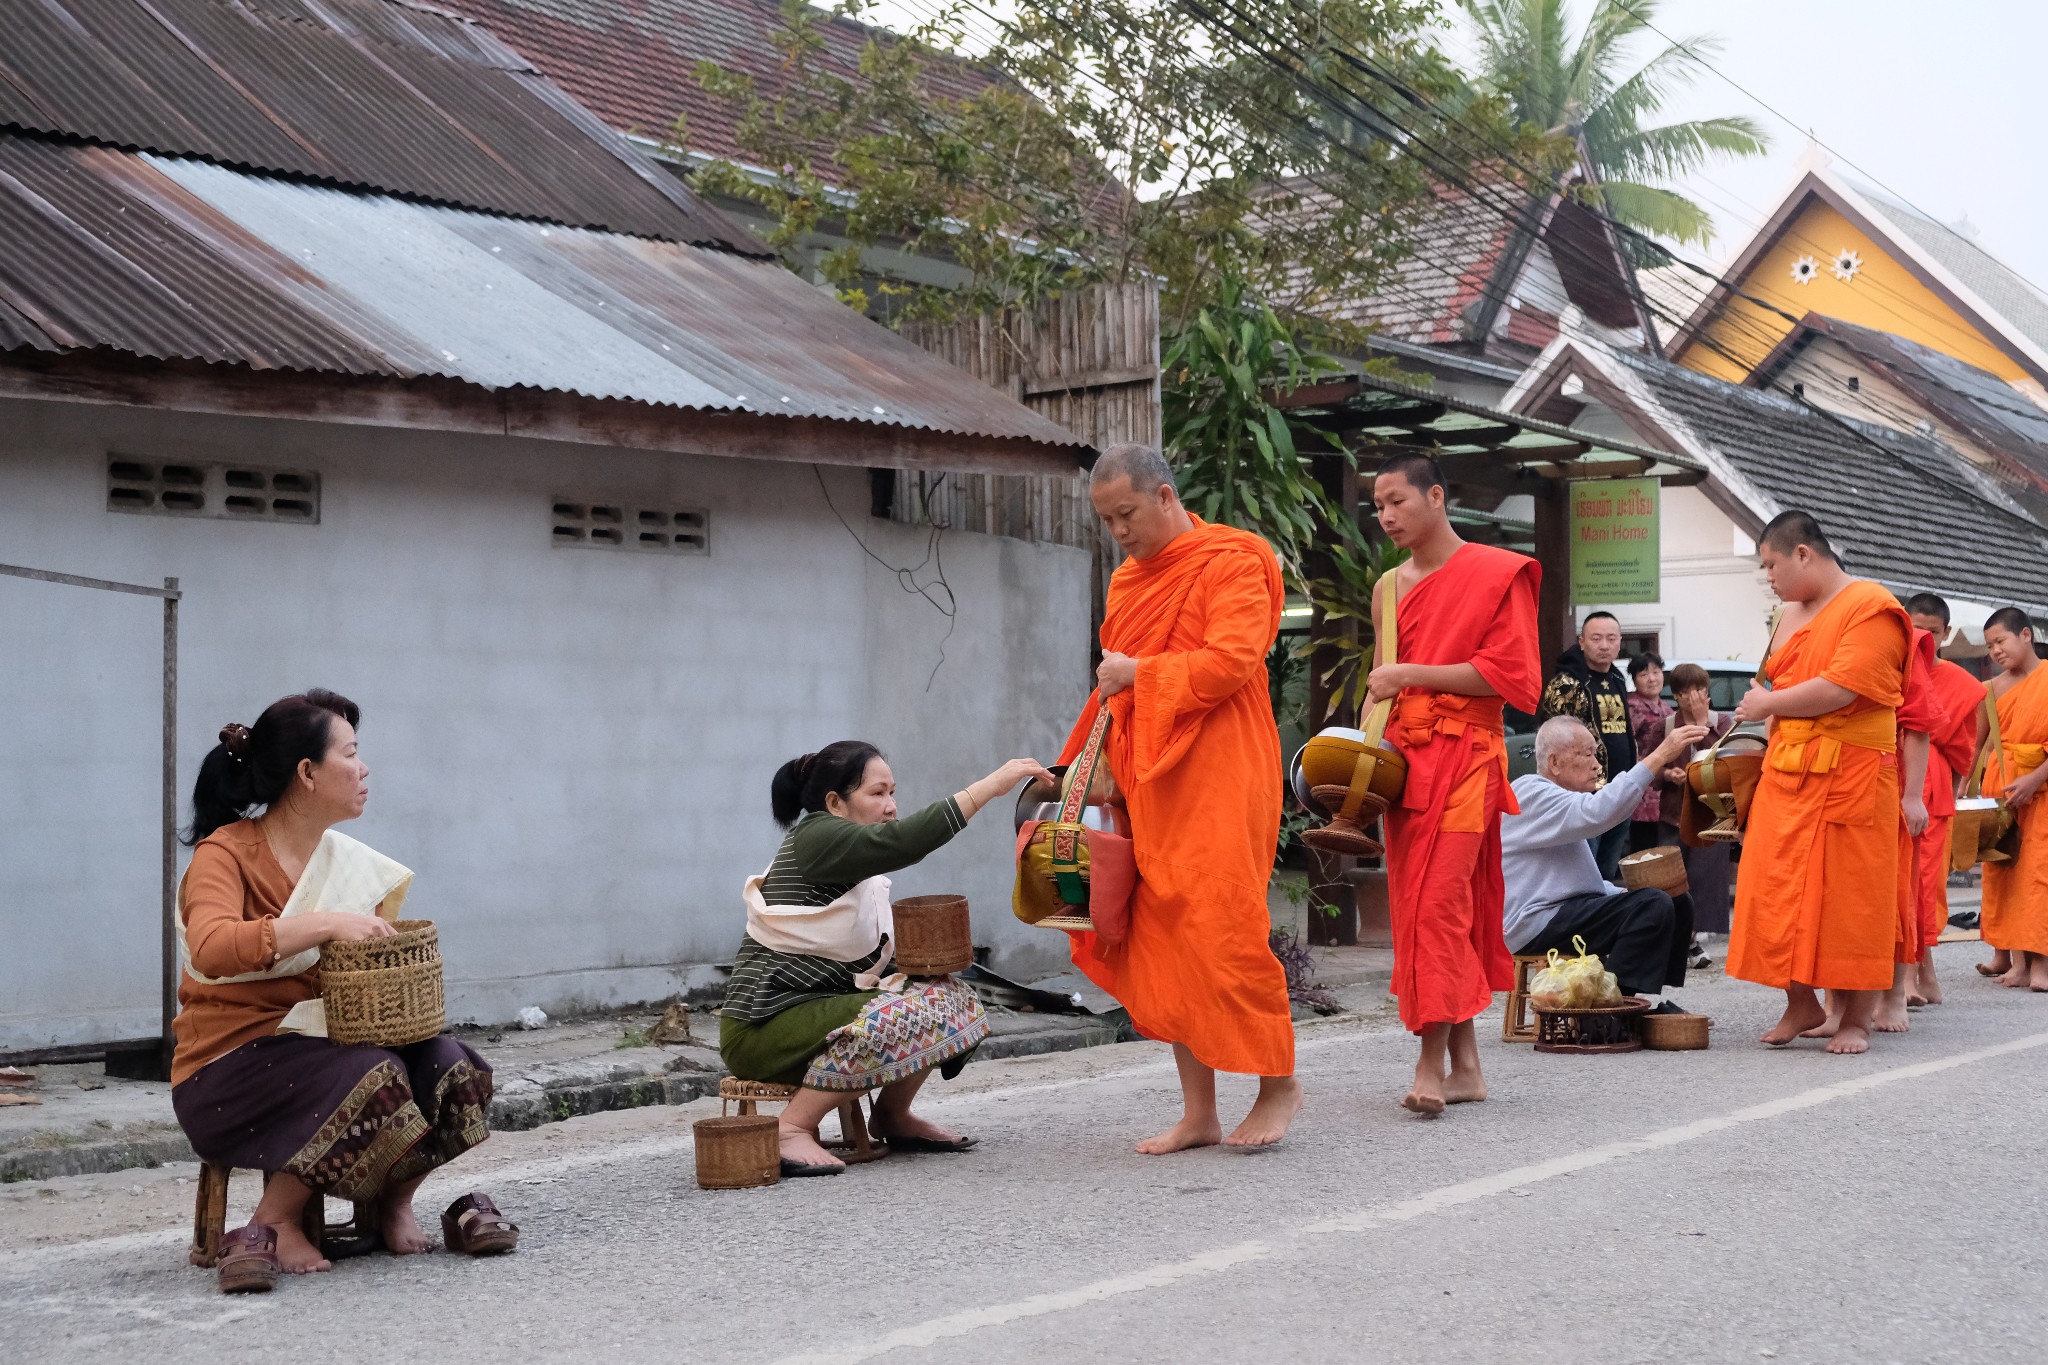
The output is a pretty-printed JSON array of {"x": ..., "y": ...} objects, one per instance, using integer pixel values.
[
  {"x": 854, "y": 1145},
  {"x": 210, "y": 1216},
  {"x": 1515, "y": 1024}
]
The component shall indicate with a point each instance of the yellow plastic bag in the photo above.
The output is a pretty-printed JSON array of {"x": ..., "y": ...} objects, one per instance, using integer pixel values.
[{"x": 1574, "y": 983}]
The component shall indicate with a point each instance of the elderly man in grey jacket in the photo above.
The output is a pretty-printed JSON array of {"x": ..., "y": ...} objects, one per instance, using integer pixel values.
[{"x": 1554, "y": 887}]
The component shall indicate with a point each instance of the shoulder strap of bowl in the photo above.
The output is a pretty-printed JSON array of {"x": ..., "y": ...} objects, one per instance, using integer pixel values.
[
  {"x": 1067, "y": 829},
  {"x": 1990, "y": 743},
  {"x": 1386, "y": 648}
]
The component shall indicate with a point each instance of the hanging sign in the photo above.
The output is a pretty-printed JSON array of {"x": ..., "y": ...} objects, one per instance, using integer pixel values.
[{"x": 1614, "y": 541}]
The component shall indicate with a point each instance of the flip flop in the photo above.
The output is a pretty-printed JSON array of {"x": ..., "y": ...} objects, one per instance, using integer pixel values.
[
  {"x": 920, "y": 1144},
  {"x": 473, "y": 1225},
  {"x": 795, "y": 1170},
  {"x": 248, "y": 1260}
]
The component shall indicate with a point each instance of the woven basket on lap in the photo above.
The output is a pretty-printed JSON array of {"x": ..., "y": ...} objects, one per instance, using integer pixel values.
[{"x": 385, "y": 992}]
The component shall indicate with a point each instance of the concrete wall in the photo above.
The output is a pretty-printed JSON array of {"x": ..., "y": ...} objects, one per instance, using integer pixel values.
[{"x": 571, "y": 747}]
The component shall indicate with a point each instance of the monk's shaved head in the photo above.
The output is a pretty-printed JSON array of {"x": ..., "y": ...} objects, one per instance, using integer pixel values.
[
  {"x": 2010, "y": 619},
  {"x": 1144, "y": 466},
  {"x": 1927, "y": 604},
  {"x": 1789, "y": 530},
  {"x": 1419, "y": 469}
]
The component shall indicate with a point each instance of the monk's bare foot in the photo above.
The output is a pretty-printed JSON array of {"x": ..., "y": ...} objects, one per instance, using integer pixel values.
[
  {"x": 1850, "y": 1038},
  {"x": 1800, "y": 1016},
  {"x": 1825, "y": 1029},
  {"x": 1279, "y": 1101},
  {"x": 1926, "y": 985},
  {"x": 1999, "y": 965},
  {"x": 1427, "y": 1096},
  {"x": 402, "y": 1234},
  {"x": 801, "y": 1145},
  {"x": 1184, "y": 1135},
  {"x": 295, "y": 1253},
  {"x": 1915, "y": 1000},
  {"x": 1890, "y": 1016},
  {"x": 2013, "y": 979},
  {"x": 1461, "y": 1087},
  {"x": 2037, "y": 971}
]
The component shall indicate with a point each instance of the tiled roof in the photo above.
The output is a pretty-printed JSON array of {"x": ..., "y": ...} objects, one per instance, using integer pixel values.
[
  {"x": 1901, "y": 508},
  {"x": 1983, "y": 274},
  {"x": 360, "y": 94}
]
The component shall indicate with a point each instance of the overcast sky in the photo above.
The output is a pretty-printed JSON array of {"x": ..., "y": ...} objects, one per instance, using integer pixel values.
[{"x": 1940, "y": 100}]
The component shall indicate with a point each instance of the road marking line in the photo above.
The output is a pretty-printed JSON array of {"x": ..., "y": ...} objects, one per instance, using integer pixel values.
[{"x": 1364, "y": 1220}]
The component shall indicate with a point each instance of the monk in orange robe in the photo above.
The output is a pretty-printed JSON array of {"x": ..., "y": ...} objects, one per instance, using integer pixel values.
[
  {"x": 1466, "y": 646},
  {"x": 1960, "y": 696},
  {"x": 1816, "y": 904},
  {"x": 2015, "y": 918},
  {"x": 1195, "y": 751}
]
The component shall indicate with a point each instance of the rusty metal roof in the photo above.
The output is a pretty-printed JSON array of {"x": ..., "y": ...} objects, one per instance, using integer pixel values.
[
  {"x": 364, "y": 94},
  {"x": 178, "y": 258}
]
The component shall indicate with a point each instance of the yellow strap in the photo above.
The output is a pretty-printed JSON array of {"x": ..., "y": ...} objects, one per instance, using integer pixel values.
[
  {"x": 1987, "y": 744},
  {"x": 1385, "y": 649}
]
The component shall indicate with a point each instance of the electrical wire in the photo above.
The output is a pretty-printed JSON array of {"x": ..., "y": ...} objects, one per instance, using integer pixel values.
[{"x": 906, "y": 579}]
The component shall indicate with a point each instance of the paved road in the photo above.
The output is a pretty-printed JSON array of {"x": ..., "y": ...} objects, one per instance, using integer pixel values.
[{"x": 1733, "y": 1205}]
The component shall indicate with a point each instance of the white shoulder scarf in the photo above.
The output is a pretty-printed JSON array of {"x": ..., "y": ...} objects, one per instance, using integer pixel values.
[
  {"x": 342, "y": 875},
  {"x": 847, "y": 930}
]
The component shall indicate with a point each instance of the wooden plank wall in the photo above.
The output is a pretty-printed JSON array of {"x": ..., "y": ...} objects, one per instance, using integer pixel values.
[{"x": 1089, "y": 361}]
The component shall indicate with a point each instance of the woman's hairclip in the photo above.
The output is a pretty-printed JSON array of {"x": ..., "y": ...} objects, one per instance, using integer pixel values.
[
  {"x": 236, "y": 737},
  {"x": 803, "y": 765}
]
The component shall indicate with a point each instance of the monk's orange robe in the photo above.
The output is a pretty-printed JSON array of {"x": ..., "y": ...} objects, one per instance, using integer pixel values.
[
  {"x": 1196, "y": 753},
  {"x": 1960, "y": 695},
  {"x": 1816, "y": 901},
  {"x": 1444, "y": 886},
  {"x": 2016, "y": 893},
  {"x": 1919, "y": 713}
]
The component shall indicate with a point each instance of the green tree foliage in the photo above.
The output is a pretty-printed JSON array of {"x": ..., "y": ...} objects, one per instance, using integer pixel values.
[{"x": 1590, "y": 86}]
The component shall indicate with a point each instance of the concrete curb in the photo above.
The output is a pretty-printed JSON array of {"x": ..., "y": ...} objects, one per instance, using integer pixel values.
[{"x": 551, "y": 1093}]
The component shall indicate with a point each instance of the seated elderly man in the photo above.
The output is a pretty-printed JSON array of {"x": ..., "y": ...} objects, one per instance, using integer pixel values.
[{"x": 1554, "y": 888}]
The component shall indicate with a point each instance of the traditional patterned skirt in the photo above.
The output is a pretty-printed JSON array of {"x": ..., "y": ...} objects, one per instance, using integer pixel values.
[
  {"x": 859, "y": 1041},
  {"x": 346, "y": 1120}
]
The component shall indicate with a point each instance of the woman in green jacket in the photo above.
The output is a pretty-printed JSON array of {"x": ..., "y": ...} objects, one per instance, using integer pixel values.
[{"x": 810, "y": 1002}]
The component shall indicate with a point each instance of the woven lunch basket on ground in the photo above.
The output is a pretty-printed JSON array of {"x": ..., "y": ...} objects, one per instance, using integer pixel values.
[
  {"x": 737, "y": 1153},
  {"x": 385, "y": 992},
  {"x": 1675, "y": 1032},
  {"x": 1604, "y": 1028}
]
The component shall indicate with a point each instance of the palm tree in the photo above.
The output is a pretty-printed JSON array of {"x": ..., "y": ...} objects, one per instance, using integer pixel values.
[{"x": 1585, "y": 89}]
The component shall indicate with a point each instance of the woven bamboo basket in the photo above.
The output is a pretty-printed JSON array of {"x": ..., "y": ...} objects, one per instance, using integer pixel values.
[
  {"x": 1675, "y": 1032},
  {"x": 934, "y": 936},
  {"x": 737, "y": 1153},
  {"x": 384, "y": 991},
  {"x": 1607, "y": 1028},
  {"x": 1662, "y": 868}
]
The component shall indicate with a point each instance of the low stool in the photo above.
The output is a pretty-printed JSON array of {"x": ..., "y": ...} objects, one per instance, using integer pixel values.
[
  {"x": 854, "y": 1145},
  {"x": 1516, "y": 1025},
  {"x": 210, "y": 1215}
]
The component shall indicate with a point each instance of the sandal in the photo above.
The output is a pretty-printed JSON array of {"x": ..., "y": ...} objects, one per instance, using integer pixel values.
[
  {"x": 473, "y": 1225},
  {"x": 796, "y": 1169},
  {"x": 913, "y": 1145},
  {"x": 248, "y": 1260}
]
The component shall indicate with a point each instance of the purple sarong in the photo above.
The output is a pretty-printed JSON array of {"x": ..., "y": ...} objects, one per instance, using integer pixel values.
[{"x": 346, "y": 1120}]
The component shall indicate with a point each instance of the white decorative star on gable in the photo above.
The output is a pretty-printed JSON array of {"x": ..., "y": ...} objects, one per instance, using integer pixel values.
[
  {"x": 1847, "y": 263},
  {"x": 1804, "y": 269}
]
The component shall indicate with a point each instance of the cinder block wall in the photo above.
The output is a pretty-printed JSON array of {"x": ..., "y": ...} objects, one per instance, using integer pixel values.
[{"x": 571, "y": 747}]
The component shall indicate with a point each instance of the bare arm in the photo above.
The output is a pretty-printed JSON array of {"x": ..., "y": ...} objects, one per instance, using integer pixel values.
[
  {"x": 1814, "y": 697},
  {"x": 1913, "y": 747},
  {"x": 296, "y": 933}
]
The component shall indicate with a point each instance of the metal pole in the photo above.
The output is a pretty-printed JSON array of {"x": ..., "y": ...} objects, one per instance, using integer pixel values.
[{"x": 170, "y": 867}]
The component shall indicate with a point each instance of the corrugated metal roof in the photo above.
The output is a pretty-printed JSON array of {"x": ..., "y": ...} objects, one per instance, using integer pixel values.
[
  {"x": 360, "y": 93},
  {"x": 178, "y": 258}
]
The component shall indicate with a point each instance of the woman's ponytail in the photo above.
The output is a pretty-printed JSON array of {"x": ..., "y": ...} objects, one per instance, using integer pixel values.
[{"x": 802, "y": 784}]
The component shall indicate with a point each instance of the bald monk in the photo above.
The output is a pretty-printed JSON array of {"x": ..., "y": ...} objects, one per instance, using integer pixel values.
[
  {"x": 1466, "y": 645},
  {"x": 2015, "y": 920},
  {"x": 1817, "y": 902},
  {"x": 1195, "y": 751},
  {"x": 1960, "y": 696}
]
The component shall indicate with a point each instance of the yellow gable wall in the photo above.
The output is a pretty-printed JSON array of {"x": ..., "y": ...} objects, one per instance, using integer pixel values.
[{"x": 1884, "y": 295}]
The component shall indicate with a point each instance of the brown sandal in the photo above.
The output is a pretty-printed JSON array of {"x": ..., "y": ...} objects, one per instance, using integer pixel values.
[
  {"x": 473, "y": 1225},
  {"x": 248, "y": 1260}
]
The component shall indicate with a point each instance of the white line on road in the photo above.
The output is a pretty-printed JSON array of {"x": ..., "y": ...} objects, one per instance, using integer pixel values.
[{"x": 1364, "y": 1220}]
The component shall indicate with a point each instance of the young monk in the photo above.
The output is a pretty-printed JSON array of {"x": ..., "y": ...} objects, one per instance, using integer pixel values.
[
  {"x": 1817, "y": 902},
  {"x": 1466, "y": 646},
  {"x": 1960, "y": 697},
  {"x": 2015, "y": 918},
  {"x": 1194, "y": 749}
]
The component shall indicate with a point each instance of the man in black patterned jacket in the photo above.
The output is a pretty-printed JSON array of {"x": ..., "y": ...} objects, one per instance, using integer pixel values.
[{"x": 1590, "y": 688}]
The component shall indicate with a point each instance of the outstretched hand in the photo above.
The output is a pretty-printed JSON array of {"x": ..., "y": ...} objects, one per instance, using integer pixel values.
[
  {"x": 1681, "y": 738},
  {"x": 344, "y": 927}
]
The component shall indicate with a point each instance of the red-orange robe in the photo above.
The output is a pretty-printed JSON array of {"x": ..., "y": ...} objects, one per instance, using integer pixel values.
[
  {"x": 1919, "y": 713},
  {"x": 1960, "y": 695},
  {"x": 1196, "y": 753},
  {"x": 2016, "y": 893},
  {"x": 1817, "y": 898},
  {"x": 1443, "y": 839}
]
